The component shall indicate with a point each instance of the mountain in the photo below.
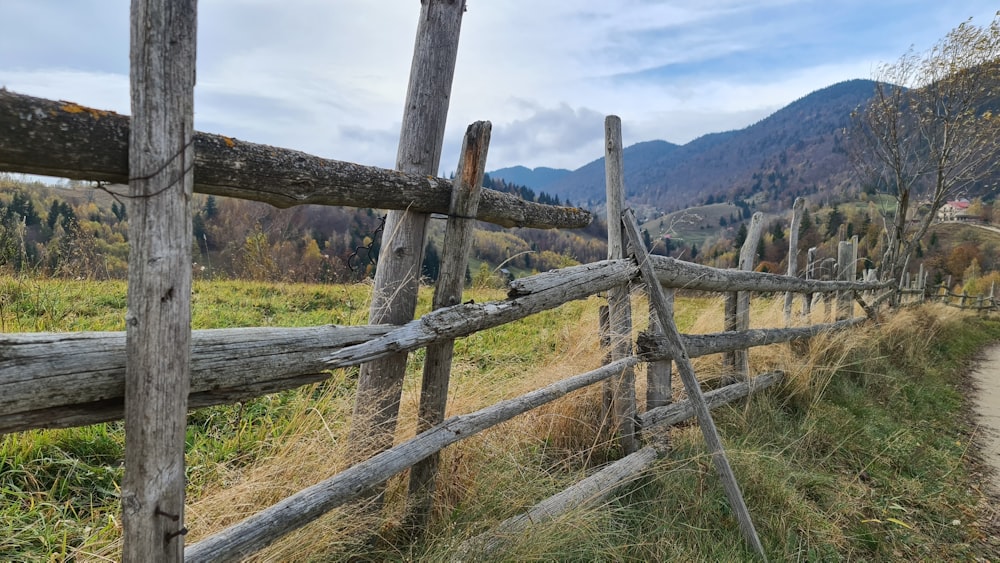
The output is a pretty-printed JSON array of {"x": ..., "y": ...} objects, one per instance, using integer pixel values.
[
  {"x": 538, "y": 179},
  {"x": 795, "y": 151}
]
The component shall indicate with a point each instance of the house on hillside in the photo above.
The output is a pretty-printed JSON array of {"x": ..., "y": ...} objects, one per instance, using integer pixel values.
[{"x": 954, "y": 210}]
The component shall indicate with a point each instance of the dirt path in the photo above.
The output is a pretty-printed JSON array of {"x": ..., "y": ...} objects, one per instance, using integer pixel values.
[{"x": 987, "y": 401}]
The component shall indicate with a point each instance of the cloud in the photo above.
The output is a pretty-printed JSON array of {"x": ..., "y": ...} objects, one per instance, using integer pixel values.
[{"x": 555, "y": 136}]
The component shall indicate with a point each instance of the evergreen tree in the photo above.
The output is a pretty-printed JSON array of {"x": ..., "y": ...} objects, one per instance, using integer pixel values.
[
  {"x": 211, "y": 208},
  {"x": 431, "y": 267},
  {"x": 741, "y": 236}
]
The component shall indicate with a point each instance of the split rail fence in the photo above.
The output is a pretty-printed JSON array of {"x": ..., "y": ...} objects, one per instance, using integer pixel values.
[{"x": 157, "y": 369}]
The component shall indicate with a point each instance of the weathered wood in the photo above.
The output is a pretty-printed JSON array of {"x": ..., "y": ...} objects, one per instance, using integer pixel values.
[
  {"x": 686, "y": 371},
  {"x": 810, "y": 275},
  {"x": 585, "y": 493},
  {"x": 67, "y": 140},
  {"x": 260, "y": 530},
  {"x": 747, "y": 254},
  {"x": 793, "y": 252},
  {"x": 658, "y": 385},
  {"x": 680, "y": 411},
  {"x": 652, "y": 347},
  {"x": 56, "y": 380},
  {"x": 458, "y": 238},
  {"x": 158, "y": 322},
  {"x": 845, "y": 272},
  {"x": 467, "y": 318},
  {"x": 397, "y": 275},
  {"x": 619, "y": 306},
  {"x": 729, "y": 324},
  {"x": 688, "y": 275}
]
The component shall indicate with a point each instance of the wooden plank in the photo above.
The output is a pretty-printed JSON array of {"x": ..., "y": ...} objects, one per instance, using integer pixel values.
[
  {"x": 158, "y": 322},
  {"x": 686, "y": 371},
  {"x": 67, "y": 140},
  {"x": 467, "y": 318},
  {"x": 458, "y": 238},
  {"x": 619, "y": 306},
  {"x": 747, "y": 254},
  {"x": 587, "y": 492},
  {"x": 680, "y": 411},
  {"x": 652, "y": 347},
  {"x": 687, "y": 275},
  {"x": 810, "y": 275},
  {"x": 56, "y": 380},
  {"x": 793, "y": 252},
  {"x": 397, "y": 275},
  {"x": 256, "y": 532},
  {"x": 658, "y": 385},
  {"x": 845, "y": 272}
]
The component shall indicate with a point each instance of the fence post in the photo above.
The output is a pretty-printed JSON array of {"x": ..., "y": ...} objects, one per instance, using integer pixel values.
[
  {"x": 658, "y": 375},
  {"x": 845, "y": 272},
  {"x": 747, "y": 254},
  {"x": 810, "y": 274},
  {"x": 690, "y": 380},
  {"x": 158, "y": 322},
  {"x": 394, "y": 296},
  {"x": 964, "y": 299},
  {"x": 458, "y": 237},
  {"x": 620, "y": 310},
  {"x": 793, "y": 252}
]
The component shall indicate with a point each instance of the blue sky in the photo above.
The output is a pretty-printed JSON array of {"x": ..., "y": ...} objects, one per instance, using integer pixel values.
[{"x": 329, "y": 76}]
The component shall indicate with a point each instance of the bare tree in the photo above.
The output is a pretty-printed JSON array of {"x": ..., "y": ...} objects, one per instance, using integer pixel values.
[{"x": 928, "y": 134}]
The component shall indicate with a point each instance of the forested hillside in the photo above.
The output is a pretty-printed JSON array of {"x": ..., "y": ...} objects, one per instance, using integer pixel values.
[{"x": 80, "y": 231}]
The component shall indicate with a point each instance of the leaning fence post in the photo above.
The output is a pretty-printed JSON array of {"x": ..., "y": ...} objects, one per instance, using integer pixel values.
[
  {"x": 845, "y": 272},
  {"x": 620, "y": 310},
  {"x": 158, "y": 322},
  {"x": 394, "y": 296},
  {"x": 458, "y": 237},
  {"x": 747, "y": 254},
  {"x": 690, "y": 379},
  {"x": 793, "y": 252}
]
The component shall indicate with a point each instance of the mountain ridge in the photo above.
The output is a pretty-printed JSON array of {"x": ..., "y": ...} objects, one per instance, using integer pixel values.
[{"x": 795, "y": 151}]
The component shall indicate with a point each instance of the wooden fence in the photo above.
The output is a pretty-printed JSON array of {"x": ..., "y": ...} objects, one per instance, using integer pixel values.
[{"x": 59, "y": 380}]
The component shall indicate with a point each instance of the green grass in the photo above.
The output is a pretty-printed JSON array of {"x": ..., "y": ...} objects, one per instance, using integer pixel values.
[{"x": 864, "y": 456}]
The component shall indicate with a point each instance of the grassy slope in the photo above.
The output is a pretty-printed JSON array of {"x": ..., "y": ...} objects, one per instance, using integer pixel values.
[{"x": 864, "y": 455}]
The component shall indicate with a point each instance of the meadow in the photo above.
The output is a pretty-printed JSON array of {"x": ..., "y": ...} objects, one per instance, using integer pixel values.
[{"x": 865, "y": 453}]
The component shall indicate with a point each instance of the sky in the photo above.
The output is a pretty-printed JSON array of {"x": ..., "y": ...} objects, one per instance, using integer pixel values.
[{"x": 329, "y": 77}]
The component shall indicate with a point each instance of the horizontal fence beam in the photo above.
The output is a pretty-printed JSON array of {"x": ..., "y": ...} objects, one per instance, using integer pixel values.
[
  {"x": 50, "y": 380},
  {"x": 686, "y": 275},
  {"x": 549, "y": 290},
  {"x": 678, "y": 412},
  {"x": 654, "y": 347},
  {"x": 263, "y": 528},
  {"x": 67, "y": 140}
]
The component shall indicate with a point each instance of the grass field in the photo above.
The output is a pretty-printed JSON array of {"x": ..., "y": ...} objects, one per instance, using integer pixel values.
[{"x": 864, "y": 454}]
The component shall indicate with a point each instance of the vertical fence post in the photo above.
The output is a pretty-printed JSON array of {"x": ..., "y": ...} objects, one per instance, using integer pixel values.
[
  {"x": 810, "y": 274},
  {"x": 747, "y": 254},
  {"x": 394, "y": 296},
  {"x": 458, "y": 237},
  {"x": 845, "y": 272},
  {"x": 921, "y": 279},
  {"x": 158, "y": 322},
  {"x": 793, "y": 252},
  {"x": 658, "y": 384},
  {"x": 620, "y": 310}
]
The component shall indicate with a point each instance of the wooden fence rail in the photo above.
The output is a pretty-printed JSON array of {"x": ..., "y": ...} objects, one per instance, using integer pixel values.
[{"x": 63, "y": 139}]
